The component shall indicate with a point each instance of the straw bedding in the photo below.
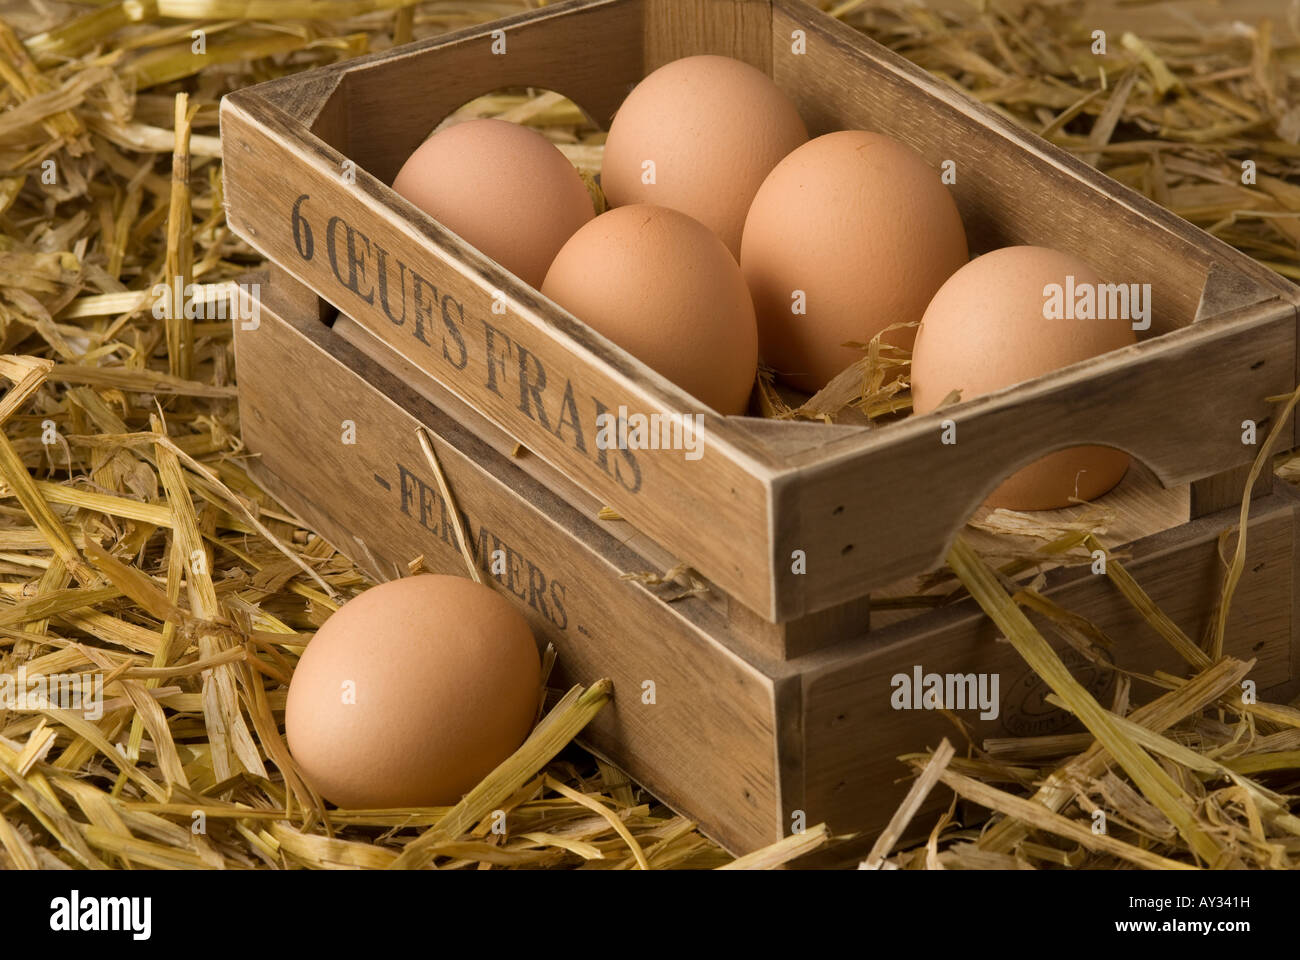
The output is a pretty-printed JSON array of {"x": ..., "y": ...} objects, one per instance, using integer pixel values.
[{"x": 134, "y": 546}]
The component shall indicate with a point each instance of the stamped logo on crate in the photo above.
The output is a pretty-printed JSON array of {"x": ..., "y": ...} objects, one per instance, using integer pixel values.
[
  {"x": 461, "y": 344},
  {"x": 420, "y": 502},
  {"x": 1026, "y": 711}
]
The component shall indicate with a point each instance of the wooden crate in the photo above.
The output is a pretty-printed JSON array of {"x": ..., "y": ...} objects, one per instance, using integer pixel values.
[
  {"x": 307, "y": 163},
  {"x": 748, "y": 744}
]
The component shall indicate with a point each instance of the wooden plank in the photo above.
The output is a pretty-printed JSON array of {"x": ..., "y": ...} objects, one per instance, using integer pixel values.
[
  {"x": 750, "y": 631},
  {"x": 1226, "y": 290},
  {"x": 388, "y": 103},
  {"x": 306, "y": 96},
  {"x": 1295, "y": 420},
  {"x": 1223, "y": 491},
  {"x": 888, "y": 506},
  {"x": 1291, "y": 689},
  {"x": 1136, "y": 509},
  {"x": 790, "y": 438},
  {"x": 376, "y": 500},
  {"x": 853, "y": 735},
  {"x": 794, "y": 638},
  {"x": 395, "y": 101},
  {"x": 781, "y": 640},
  {"x": 790, "y": 754},
  {"x": 296, "y": 299},
  {"x": 740, "y": 29},
  {"x": 1139, "y": 507},
  {"x": 375, "y": 349},
  {"x": 529, "y": 369}
]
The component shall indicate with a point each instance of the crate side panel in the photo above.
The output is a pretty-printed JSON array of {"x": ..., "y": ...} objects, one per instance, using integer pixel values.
[
  {"x": 877, "y": 515},
  {"x": 544, "y": 378},
  {"x": 740, "y": 29},
  {"x": 590, "y": 52},
  {"x": 707, "y": 743},
  {"x": 853, "y": 733}
]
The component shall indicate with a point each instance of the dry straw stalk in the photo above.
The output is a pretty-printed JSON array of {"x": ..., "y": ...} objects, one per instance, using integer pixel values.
[{"x": 134, "y": 545}]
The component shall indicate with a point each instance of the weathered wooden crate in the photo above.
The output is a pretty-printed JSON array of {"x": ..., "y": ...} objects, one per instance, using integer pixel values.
[
  {"x": 748, "y": 744},
  {"x": 307, "y": 163}
]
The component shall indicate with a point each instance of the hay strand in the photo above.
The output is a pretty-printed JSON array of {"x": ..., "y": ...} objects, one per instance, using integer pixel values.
[{"x": 106, "y": 511}]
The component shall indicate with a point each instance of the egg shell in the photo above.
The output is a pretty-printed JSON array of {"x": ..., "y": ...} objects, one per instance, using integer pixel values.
[
  {"x": 446, "y": 678},
  {"x": 985, "y": 330},
  {"x": 713, "y": 127},
  {"x": 866, "y": 230},
  {"x": 503, "y": 188},
  {"x": 662, "y": 286}
]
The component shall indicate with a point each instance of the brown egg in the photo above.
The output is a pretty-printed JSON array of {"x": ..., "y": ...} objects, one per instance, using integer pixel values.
[
  {"x": 713, "y": 128},
  {"x": 503, "y": 188},
  {"x": 411, "y": 693},
  {"x": 855, "y": 230},
  {"x": 985, "y": 330},
  {"x": 663, "y": 287}
]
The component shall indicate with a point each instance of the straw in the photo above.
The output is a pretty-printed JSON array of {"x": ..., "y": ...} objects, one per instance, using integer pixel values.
[{"x": 135, "y": 543}]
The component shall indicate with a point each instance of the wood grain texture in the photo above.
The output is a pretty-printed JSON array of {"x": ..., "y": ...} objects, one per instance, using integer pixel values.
[
  {"x": 389, "y": 101},
  {"x": 749, "y": 631},
  {"x": 1226, "y": 290},
  {"x": 1137, "y": 508},
  {"x": 740, "y": 29},
  {"x": 889, "y": 505},
  {"x": 375, "y": 349},
  {"x": 394, "y": 102},
  {"x": 308, "y": 95},
  {"x": 376, "y": 500},
  {"x": 296, "y": 299},
  {"x": 1224, "y": 491},
  {"x": 813, "y": 631},
  {"x": 784, "y": 640},
  {"x": 846, "y": 696},
  {"x": 1287, "y": 692}
]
